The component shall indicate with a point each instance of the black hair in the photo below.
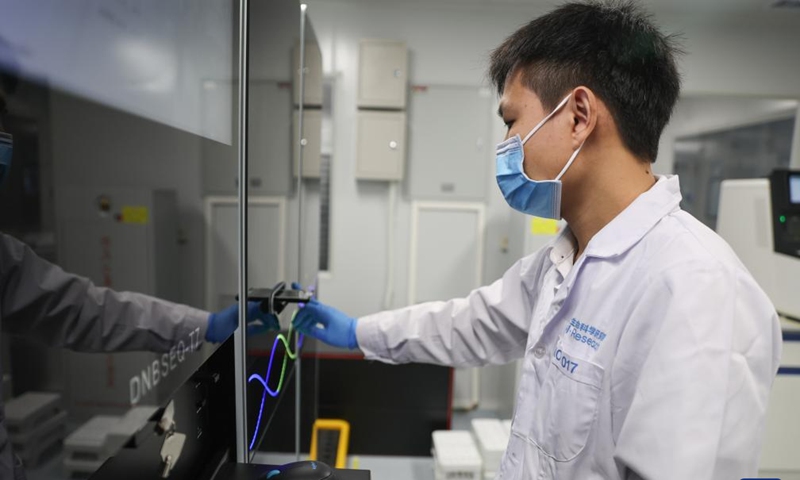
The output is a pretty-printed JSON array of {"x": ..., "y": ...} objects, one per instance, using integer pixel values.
[
  {"x": 8, "y": 84},
  {"x": 611, "y": 47},
  {"x": 9, "y": 78}
]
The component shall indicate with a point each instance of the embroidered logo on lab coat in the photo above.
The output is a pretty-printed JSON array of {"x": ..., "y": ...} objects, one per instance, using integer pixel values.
[{"x": 585, "y": 333}]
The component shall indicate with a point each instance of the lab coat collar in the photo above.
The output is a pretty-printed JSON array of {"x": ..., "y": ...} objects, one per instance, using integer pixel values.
[
  {"x": 627, "y": 228},
  {"x": 562, "y": 251}
]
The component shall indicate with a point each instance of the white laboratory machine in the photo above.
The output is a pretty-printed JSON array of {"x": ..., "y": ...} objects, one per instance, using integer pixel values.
[{"x": 760, "y": 219}]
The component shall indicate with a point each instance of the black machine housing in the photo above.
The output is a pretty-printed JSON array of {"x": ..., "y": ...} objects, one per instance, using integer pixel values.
[
  {"x": 785, "y": 192},
  {"x": 204, "y": 411}
]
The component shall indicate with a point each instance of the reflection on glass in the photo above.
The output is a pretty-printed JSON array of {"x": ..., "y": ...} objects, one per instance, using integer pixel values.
[
  {"x": 149, "y": 58},
  {"x": 113, "y": 108}
]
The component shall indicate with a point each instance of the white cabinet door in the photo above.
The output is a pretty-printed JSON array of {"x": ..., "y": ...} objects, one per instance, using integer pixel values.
[{"x": 447, "y": 262}]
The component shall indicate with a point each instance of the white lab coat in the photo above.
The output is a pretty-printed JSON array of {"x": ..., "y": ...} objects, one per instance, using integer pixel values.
[{"x": 651, "y": 357}]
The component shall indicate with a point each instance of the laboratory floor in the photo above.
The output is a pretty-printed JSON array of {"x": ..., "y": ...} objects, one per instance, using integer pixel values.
[{"x": 381, "y": 467}]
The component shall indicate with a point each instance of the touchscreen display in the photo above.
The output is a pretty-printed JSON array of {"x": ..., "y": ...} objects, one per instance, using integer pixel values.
[{"x": 794, "y": 189}]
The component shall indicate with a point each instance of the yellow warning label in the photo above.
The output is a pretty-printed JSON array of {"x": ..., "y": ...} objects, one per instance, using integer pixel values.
[
  {"x": 138, "y": 215},
  {"x": 544, "y": 226}
]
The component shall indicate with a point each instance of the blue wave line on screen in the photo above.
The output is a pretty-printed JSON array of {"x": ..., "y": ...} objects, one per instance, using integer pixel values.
[{"x": 264, "y": 381}]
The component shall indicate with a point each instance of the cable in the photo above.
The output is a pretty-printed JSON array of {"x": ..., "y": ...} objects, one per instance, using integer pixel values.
[
  {"x": 265, "y": 379},
  {"x": 388, "y": 297}
]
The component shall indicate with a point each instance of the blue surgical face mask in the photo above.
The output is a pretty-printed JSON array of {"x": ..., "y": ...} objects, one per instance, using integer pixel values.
[
  {"x": 6, "y": 148},
  {"x": 540, "y": 198}
]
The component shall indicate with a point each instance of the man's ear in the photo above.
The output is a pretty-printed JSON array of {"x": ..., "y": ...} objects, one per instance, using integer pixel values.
[{"x": 583, "y": 107}]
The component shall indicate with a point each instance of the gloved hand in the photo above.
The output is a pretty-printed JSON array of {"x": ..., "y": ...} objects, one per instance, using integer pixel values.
[
  {"x": 327, "y": 324},
  {"x": 222, "y": 324}
]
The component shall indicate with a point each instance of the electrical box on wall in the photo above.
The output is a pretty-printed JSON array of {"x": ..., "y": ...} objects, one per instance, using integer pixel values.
[
  {"x": 381, "y": 148},
  {"x": 311, "y": 142},
  {"x": 313, "y": 78},
  {"x": 382, "y": 74}
]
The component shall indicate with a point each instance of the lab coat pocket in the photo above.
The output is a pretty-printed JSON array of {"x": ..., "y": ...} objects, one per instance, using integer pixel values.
[{"x": 566, "y": 412}]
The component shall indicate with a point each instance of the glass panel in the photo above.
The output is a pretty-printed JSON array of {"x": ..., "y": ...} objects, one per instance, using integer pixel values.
[
  {"x": 283, "y": 194},
  {"x": 115, "y": 109}
]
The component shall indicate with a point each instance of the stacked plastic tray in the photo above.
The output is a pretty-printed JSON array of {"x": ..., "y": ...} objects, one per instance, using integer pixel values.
[
  {"x": 455, "y": 455},
  {"x": 492, "y": 440},
  {"x": 36, "y": 423},
  {"x": 101, "y": 437}
]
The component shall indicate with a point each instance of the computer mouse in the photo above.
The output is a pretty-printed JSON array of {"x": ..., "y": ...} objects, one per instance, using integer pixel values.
[{"x": 307, "y": 470}]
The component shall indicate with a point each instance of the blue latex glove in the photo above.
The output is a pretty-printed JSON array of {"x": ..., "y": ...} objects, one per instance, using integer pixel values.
[
  {"x": 327, "y": 324},
  {"x": 222, "y": 324}
]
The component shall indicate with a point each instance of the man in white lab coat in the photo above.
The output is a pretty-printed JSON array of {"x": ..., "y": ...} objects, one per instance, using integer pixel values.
[{"x": 649, "y": 350}]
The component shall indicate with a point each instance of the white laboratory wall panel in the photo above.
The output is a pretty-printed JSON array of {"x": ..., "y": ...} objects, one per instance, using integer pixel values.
[
  {"x": 382, "y": 74},
  {"x": 266, "y": 227},
  {"x": 312, "y": 143},
  {"x": 447, "y": 262},
  {"x": 381, "y": 148},
  {"x": 270, "y": 133},
  {"x": 450, "y": 149}
]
